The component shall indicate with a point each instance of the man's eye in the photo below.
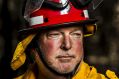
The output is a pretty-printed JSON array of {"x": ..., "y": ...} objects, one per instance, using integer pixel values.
[
  {"x": 54, "y": 35},
  {"x": 77, "y": 35}
]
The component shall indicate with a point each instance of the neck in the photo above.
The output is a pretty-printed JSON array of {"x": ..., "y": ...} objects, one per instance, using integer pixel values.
[{"x": 44, "y": 72}]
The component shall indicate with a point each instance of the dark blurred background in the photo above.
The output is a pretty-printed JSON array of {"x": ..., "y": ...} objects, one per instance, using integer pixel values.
[{"x": 101, "y": 50}]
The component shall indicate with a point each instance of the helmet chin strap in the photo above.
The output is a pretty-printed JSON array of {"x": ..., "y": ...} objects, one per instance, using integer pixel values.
[{"x": 68, "y": 75}]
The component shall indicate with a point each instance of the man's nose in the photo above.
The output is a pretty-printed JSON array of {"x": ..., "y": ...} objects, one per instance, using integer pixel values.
[{"x": 66, "y": 43}]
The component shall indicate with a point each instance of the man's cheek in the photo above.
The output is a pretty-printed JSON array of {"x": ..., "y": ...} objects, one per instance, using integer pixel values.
[
  {"x": 53, "y": 44},
  {"x": 78, "y": 46},
  {"x": 48, "y": 47}
]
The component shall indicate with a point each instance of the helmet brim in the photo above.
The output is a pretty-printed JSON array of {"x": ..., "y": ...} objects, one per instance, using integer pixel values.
[{"x": 26, "y": 30}]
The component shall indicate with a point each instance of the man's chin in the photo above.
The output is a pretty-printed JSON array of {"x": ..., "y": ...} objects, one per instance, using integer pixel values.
[{"x": 67, "y": 70}]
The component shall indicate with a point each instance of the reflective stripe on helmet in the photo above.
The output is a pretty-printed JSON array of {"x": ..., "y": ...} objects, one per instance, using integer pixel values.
[
  {"x": 36, "y": 20},
  {"x": 86, "y": 13}
]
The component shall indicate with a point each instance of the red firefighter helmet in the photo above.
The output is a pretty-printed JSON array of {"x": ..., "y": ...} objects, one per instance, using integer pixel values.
[{"x": 58, "y": 13}]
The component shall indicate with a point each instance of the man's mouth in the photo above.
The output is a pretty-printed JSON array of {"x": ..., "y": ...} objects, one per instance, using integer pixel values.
[{"x": 64, "y": 58}]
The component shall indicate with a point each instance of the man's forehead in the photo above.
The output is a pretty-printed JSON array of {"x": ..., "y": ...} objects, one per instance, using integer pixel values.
[{"x": 65, "y": 28}]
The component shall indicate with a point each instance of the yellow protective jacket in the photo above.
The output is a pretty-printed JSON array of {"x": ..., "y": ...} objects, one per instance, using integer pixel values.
[{"x": 85, "y": 72}]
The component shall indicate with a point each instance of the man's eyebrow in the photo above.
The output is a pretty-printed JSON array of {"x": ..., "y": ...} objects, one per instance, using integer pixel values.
[
  {"x": 77, "y": 29},
  {"x": 54, "y": 30}
]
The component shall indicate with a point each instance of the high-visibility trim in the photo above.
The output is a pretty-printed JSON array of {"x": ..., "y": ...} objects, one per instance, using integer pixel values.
[
  {"x": 36, "y": 20},
  {"x": 86, "y": 35},
  {"x": 86, "y": 13}
]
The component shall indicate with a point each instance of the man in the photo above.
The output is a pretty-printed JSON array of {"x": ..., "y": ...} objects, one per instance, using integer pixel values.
[{"x": 52, "y": 46}]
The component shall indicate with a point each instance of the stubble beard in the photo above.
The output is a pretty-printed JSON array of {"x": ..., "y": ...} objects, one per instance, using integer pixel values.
[{"x": 56, "y": 70}]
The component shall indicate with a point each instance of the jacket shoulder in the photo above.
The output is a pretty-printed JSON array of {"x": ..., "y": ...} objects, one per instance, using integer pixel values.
[
  {"x": 27, "y": 75},
  {"x": 110, "y": 74},
  {"x": 95, "y": 75}
]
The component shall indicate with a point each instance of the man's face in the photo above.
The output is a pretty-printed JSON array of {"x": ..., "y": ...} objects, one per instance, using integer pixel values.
[{"x": 62, "y": 48}]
